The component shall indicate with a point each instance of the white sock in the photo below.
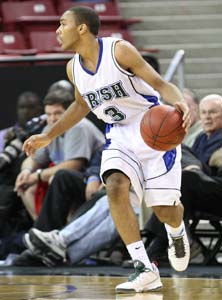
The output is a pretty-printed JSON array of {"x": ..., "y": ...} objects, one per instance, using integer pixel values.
[
  {"x": 137, "y": 251},
  {"x": 175, "y": 231}
]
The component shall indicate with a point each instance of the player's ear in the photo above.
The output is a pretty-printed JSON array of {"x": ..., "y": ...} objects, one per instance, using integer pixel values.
[{"x": 82, "y": 28}]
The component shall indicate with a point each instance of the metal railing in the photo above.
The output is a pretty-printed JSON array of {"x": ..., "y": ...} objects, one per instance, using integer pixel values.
[{"x": 176, "y": 66}]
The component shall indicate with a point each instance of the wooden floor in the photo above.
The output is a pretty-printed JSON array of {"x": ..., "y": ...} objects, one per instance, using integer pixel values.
[{"x": 41, "y": 287}]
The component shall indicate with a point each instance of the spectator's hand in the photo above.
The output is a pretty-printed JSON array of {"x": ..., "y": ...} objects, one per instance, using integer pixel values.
[
  {"x": 183, "y": 107},
  {"x": 35, "y": 142},
  {"x": 22, "y": 180},
  {"x": 216, "y": 159},
  {"x": 91, "y": 188}
]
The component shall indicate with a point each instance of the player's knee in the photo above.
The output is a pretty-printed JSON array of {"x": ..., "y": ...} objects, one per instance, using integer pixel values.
[
  {"x": 163, "y": 213},
  {"x": 169, "y": 214},
  {"x": 117, "y": 184}
]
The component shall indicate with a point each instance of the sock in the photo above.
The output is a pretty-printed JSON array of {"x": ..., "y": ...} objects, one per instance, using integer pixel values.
[
  {"x": 137, "y": 251},
  {"x": 175, "y": 231}
]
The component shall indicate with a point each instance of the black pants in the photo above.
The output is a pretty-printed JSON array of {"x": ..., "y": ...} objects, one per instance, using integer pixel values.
[
  {"x": 201, "y": 192},
  {"x": 66, "y": 191}
]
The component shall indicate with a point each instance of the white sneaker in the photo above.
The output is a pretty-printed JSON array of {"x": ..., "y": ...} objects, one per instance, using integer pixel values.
[
  {"x": 142, "y": 280},
  {"x": 179, "y": 251},
  {"x": 28, "y": 243},
  {"x": 48, "y": 242}
]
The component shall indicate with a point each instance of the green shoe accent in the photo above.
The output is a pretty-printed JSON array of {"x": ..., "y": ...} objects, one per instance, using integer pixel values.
[{"x": 139, "y": 268}]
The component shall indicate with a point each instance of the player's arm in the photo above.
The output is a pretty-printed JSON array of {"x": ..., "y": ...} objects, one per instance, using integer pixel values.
[
  {"x": 76, "y": 111},
  {"x": 130, "y": 59}
]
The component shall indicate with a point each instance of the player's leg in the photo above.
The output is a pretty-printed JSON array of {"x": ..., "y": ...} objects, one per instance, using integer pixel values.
[
  {"x": 163, "y": 195},
  {"x": 146, "y": 276},
  {"x": 123, "y": 176},
  {"x": 179, "y": 249}
]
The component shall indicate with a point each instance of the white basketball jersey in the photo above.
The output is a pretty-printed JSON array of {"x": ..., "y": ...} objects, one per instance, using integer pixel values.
[{"x": 112, "y": 93}]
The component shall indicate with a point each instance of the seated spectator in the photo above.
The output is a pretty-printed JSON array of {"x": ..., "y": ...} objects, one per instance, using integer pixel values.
[
  {"x": 68, "y": 190},
  {"x": 28, "y": 106},
  {"x": 201, "y": 166},
  {"x": 29, "y": 121},
  {"x": 91, "y": 227},
  {"x": 61, "y": 84},
  {"x": 70, "y": 151},
  {"x": 87, "y": 234}
]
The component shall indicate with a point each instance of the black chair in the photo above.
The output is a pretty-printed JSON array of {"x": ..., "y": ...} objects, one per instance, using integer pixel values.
[{"x": 209, "y": 237}]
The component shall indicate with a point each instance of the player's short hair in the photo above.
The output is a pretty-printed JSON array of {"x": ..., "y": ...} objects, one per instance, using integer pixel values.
[
  {"x": 59, "y": 96},
  {"x": 88, "y": 16}
]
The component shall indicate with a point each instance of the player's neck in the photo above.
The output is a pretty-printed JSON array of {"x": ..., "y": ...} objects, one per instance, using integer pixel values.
[{"x": 89, "y": 52}]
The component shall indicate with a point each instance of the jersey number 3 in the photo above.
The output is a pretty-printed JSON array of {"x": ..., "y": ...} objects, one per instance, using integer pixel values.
[{"x": 114, "y": 113}]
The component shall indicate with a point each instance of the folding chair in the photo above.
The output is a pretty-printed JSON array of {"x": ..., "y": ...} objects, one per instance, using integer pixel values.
[{"x": 209, "y": 236}]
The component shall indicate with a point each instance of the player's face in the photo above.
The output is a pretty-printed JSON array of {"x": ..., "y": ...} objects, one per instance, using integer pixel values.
[
  {"x": 53, "y": 112},
  {"x": 67, "y": 32},
  {"x": 211, "y": 116}
]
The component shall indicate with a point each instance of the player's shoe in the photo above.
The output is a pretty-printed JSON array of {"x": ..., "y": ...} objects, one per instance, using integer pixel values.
[
  {"x": 179, "y": 251},
  {"x": 142, "y": 280},
  {"x": 49, "y": 243},
  {"x": 148, "y": 296}
]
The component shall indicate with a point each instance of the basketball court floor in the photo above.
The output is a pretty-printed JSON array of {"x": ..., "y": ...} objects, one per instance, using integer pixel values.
[{"x": 90, "y": 283}]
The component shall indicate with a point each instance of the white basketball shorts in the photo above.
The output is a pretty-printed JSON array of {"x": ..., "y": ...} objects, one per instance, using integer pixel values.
[{"x": 155, "y": 175}]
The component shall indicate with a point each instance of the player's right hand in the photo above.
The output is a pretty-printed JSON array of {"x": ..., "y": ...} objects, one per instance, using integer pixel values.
[{"x": 35, "y": 142}]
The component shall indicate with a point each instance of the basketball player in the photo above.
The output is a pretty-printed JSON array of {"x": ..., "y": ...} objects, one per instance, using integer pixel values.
[{"x": 112, "y": 80}]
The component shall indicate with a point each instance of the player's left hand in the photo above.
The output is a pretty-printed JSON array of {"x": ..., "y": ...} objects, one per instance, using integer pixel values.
[
  {"x": 35, "y": 142},
  {"x": 183, "y": 107}
]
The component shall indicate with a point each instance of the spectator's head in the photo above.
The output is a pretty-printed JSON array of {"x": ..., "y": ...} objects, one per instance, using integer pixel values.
[
  {"x": 55, "y": 104},
  {"x": 211, "y": 113},
  {"x": 77, "y": 22},
  {"x": 193, "y": 103},
  {"x": 62, "y": 84},
  {"x": 28, "y": 107}
]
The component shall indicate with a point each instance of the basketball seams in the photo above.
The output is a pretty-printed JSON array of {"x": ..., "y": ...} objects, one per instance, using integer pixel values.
[
  {"x": 162, "y": 118},
  {"x": 157, "y": 135}
]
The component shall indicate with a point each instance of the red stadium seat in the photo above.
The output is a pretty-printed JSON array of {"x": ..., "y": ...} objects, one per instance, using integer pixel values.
[
  {"x": 14, "y": 43},
  {"x": 108, "y": 11},
  {"x": 44, "y": 42},
  {"x": 40, "y": 13},
  {"x": 118, "y": 33},
  {"x": 106, "y": 8}
]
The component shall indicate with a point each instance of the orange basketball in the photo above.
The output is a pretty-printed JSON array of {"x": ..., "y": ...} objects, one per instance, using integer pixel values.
[{"x": 161, "y": 127}]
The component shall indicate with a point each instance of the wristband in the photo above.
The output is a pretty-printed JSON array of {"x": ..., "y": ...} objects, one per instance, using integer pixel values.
[
  {"x": 93, "y": 178},
  {"x": 39, "y": 172}
]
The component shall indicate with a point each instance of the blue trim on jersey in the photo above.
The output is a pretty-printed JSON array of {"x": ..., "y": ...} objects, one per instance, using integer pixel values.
[
  {"x": 169, "y": 159},
  {"x": 152, "y": 99},
  {"x": 99, "y": 60},
  {"x": 107, "y": 144},
  {"x": 108, "y": 127},
  {"x": 108, "y": 141}
]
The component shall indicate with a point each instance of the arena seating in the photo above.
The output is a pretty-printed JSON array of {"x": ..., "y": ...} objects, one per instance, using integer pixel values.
[
  {"x": 44, "y": 41},
  {"x": 106, "y": 8},
  {"x": 108, "y": 11},
  {"x": 29, "y": 15},
  {"x": 212, "y": 234},
  {"x": 14, "y": 43},
  {"x": 32, "y": 16},
  {"x": 118, "y": 33},
  {"x": 32, "y": 24}
]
